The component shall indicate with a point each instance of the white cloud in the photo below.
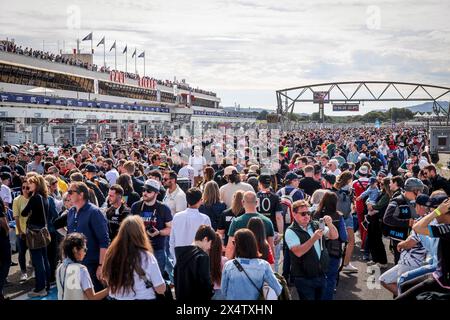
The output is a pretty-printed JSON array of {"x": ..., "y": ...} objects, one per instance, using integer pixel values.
[{"x": 247, "y": 49}]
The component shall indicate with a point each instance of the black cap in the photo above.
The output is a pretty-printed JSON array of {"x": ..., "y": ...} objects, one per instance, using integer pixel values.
[
  {"x": 5, "y": 169},
  {"x": 90, "y": 168},
  {"x": 435, "y": 201},
  {"x": 265, "y": 179},
  {"x": 291, "y": 176},
  {"x": 330, "y": 178},
  {"x": 5, "y": 175},
  {"x": 423, "y": 200}
]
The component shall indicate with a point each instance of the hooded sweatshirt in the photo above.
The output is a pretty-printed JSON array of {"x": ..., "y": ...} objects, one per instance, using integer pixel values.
[{"x": 192, "y": 274}]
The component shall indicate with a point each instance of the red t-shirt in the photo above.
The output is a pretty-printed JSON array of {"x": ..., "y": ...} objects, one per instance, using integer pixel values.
[{"x": 360, "y": 186}]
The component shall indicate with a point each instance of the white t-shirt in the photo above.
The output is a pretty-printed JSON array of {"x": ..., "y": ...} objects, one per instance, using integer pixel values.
[
  {"x": 335, "y": 172},
  {"x": 176, "y": 201},
  {"x": 72, "y": 279},
  {"x": 151, "y": 269},
  {"x": 187, "y": 172},
  {"x": 197, "y": 162},
  {"x": 5, "y": 194},
  {"x": 227, "y": 191}
]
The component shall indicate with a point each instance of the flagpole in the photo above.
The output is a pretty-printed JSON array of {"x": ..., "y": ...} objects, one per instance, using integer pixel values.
[
  {"x": 92, "y": 46},
  {"x": 115, "y": 56},
  {"x": 104, "y": 54},
  {"x": 144, "y": 63},
  {"x": 135, "y": 61},
  {"x": 126, "y": 60}
]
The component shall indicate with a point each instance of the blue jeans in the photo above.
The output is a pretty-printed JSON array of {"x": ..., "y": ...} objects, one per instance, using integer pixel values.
[
  {"x": 413, "y": 274},
  {"x": 5, "y": 261},
  {"x": 310, "y": 288},
  {"x": 41, "y": 268},
  {"x": 286, "y": 263},
  {"x": 161, "y": 257},
  {"x": 332, "y": 274},
  {"x": 169, "y": 261},
  {"x": 22, "y": 254},
  {"x": 277, "y": 255},
  {"x": 218, "y": 295}
]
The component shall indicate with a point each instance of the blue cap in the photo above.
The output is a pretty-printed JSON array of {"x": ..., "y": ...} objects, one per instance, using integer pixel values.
[{"x": 372, "y": 180}]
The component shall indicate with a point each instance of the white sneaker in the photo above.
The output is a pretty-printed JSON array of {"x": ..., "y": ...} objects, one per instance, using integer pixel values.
[
  {"x": 350, "y": 268},
  {"x": 23, "y": 277},
  {"x": 33, "y": 275},
  {"x": 34, "y": 294},
  {"x": 382, "y": 266}
]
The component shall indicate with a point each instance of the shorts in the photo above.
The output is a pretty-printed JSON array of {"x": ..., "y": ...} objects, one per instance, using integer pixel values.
[
  {"x": 349, "y": 222},
  {"x": 393, "y": 274}
]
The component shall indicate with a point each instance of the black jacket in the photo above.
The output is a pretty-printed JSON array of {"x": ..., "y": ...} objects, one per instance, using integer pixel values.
[
  {"x": 192, "y": 274},
  {"x": 114, "y": 220},
  {"x": 439, "y": 182},
  {"x": 138, "y": 185}
]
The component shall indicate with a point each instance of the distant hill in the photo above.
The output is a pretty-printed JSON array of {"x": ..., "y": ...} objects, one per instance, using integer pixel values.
[{"x": 426, "y": 107}]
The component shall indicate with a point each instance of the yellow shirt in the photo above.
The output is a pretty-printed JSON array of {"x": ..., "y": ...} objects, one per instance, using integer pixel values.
[
  {"x": 19, "y": 204},
  {"x": 62, "y": 186}
]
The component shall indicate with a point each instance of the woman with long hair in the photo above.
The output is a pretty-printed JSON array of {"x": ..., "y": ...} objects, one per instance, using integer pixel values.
[
  {"x": 208, "y": 175},
  {"x": 37, "y": 211},
  {"x": 328, "y": 207},
  {"x": 375, "y": 218},
  {"x": 292, "y": 164},
  {"x": 129, "y": 195},
  {"x": 212, "y": 206},
  {"x": 243, "y": 278},
  {"x": 130, "y": 269},
  {"x": 256, "y": 226},
  {"x": 217, "y": 261},
  {"x": 236, "y": 210},
  {"x": 344, "y": 192}
]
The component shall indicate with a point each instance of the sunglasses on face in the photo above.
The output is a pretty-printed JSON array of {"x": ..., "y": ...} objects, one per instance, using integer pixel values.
[
  {"x": 71, "y": 191},
  {"x": 26, "y": 188}
]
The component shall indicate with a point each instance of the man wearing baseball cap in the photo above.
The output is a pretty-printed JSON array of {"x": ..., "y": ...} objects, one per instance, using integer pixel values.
[
  {"x": 157, "y": 219},
  {"x": 439, "y": 283},
  {"x": 401, "y": 212},
  {"x": 99, "y": 186}
]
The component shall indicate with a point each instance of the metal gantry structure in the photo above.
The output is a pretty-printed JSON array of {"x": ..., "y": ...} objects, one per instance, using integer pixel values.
[{"x": 360, "y": 92}]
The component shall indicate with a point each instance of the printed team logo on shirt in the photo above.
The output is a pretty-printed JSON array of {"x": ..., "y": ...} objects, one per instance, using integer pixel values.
[{"x": 149, "y": 218}]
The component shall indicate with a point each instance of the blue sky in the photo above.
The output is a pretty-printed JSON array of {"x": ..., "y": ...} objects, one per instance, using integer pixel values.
[{"x": 245, "y": 50}]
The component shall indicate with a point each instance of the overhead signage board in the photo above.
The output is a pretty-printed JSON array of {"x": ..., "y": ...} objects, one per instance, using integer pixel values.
[
  {"x": 346, "y": 107},
  {"x": 321, "y": 97}
]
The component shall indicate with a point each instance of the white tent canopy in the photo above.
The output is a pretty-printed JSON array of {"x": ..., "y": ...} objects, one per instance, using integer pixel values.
[{"x": 40, "y": 90}]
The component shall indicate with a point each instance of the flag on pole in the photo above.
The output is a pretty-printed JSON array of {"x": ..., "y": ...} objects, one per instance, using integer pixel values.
[
  {"x": 125, "y": 50},
  {"x": 88, "y": 37},
  {"x": 113, "y": 46},
  {"x": 101, "y": 42},
  {"x": 134, "y": 53},
  {"x": 142, "y": 55}
]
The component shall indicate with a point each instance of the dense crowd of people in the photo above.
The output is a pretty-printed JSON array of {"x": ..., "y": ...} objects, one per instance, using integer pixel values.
[
  {"x": 59, "y": 58},
  {"x": 227, "y": 217}
]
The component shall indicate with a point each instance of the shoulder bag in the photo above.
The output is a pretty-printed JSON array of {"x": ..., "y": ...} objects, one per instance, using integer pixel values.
[{"x": 38, "y": 237}]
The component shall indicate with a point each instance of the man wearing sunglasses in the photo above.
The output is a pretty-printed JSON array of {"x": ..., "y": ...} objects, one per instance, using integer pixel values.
[
  {"x": 157, "y": 219},
  {"x": 308, "y": 252}
]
